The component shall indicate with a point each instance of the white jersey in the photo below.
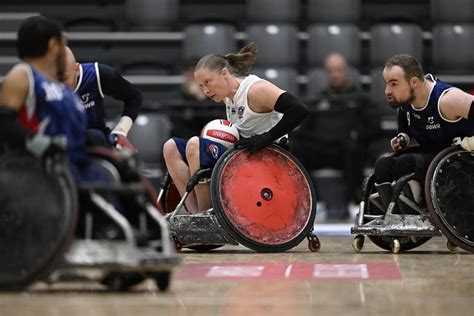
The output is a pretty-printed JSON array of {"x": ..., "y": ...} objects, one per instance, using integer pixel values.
[{"x": 248, "y": 122}]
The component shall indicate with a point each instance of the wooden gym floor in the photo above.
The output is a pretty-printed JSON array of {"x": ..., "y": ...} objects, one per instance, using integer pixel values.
[{"x": 236, "y": 281}]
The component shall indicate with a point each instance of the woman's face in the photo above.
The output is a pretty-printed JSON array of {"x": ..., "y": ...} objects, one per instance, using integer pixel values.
[{"x": 213, "y": 83}]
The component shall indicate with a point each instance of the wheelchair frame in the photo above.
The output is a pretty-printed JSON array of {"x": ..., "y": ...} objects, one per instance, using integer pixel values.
[
  {"x": 204, "y": 231},
  {"x": 122, "y": 263},
  {"x": 391, "y": 231}
]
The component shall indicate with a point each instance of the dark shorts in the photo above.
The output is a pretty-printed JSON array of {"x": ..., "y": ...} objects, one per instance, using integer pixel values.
[{"x": 209, "y": 151}]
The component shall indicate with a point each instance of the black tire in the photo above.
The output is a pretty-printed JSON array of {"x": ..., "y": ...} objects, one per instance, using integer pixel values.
[
  {"x": 52, "y": 203},
  {"x": 203, "y": 248},
  {"x": 446, "y": 201}
]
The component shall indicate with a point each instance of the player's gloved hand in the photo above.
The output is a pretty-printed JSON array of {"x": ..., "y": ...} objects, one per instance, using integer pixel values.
[
  {"x": 122, "y": 142},
  {"x": 399, "y": 142},
  {"x": 467, "y": 143},
  {"x": 254, "y": 143},
  {"x": 40, "y": 144}
]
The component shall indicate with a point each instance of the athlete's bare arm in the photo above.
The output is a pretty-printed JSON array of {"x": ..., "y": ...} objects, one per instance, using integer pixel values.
[
  {"x": 262, "y": 96},
  {"x": 455, "y": 104},
  {"x": 14, "y": 90}
]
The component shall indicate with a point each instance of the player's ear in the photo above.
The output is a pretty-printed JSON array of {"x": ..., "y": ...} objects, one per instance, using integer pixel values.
[
  {"x": 414, "y": 82},
  {"x": 224, "y": 71}
]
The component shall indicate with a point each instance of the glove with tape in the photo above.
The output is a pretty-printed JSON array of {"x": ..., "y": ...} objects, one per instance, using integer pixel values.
[
  {"x": 255, "y": 142},
  {"x": 399, "y": 142},
  {"x": 121, "y": 142},
  {"x": 467, "y": 143}
]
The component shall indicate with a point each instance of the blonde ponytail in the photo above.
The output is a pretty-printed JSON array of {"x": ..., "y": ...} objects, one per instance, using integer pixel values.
[{"x": 238, "y": 63}]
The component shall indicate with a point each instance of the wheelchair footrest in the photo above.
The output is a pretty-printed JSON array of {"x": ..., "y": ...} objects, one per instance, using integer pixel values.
[
  {"x": 398, "y": 225},
  {"x": 199, "y": 229}
]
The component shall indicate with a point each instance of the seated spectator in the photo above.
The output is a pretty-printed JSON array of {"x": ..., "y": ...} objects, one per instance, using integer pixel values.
[
  {"x": 191, "y": 115},
  {"x": 342, "y": 124}
]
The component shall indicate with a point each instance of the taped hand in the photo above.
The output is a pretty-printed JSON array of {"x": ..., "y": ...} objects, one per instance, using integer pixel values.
[
  {"x": 467, "y": 143},
  {"x": 254, "y": 143},
  {"x": 122, "y": 142}
]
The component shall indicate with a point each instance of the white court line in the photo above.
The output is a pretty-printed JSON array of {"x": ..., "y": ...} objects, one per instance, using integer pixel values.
[
  {"x": 288, "y": 271},
  {"x": 343, "y": 229}
]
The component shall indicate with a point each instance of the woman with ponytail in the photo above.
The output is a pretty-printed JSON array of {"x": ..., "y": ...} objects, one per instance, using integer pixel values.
[{"x": 262, "y": 112}]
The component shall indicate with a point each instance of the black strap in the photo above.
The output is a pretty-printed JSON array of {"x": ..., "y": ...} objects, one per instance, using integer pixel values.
[
  {"x": 419, "y": 168},
  {"x": 403, "y": 122},
  {"x": 471, "y": 111},
  {"x": 294, "y": 112},
  {"x": 117, "y": 87}
]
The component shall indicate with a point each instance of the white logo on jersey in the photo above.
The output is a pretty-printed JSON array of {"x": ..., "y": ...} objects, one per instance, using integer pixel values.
[
  {"x": 85, "y": 101},
  {"x": 53, "y": 91},
  {"x": 85, "y": 98},
  {"x": 408, "y": 118},
  {"x": 431, "y": 124}
]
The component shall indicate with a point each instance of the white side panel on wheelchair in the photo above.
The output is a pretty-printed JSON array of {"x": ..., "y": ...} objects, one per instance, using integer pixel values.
[
  {"x": 447, "y": 207},
  {"x": 265, "y": 202}
]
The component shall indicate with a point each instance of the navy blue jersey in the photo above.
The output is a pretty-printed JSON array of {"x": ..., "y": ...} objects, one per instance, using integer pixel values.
[
  {"x": 432, "y": 131},
  {"x": 89, "y": 90},
  {"x": 55, "y": 110}
]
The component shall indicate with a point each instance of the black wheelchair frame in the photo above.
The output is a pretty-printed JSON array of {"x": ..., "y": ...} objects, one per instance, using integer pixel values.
[
  {"x": 401, "y": 232},
  {"x": 119, "y": 262}
]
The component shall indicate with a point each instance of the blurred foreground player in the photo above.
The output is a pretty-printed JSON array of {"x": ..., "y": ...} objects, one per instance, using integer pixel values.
[{"x": 36, "y": 109}]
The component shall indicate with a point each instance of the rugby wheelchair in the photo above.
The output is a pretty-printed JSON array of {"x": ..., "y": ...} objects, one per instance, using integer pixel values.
[
  {"x": 445, "y": 207},
  {"x": 265, "y": 202},
  {"x": 53, "y": 230}
]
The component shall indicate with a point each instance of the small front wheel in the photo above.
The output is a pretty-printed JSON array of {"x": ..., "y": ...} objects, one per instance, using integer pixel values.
[
  {"x": 358, "y": 243},
  {"x": 178, "y": 245},
  {"x": 395, "y": 246},
  {"x": 162, "y": 280},
  {"x": 451, "y": 247},
  {"x": 313, "y": 243}
]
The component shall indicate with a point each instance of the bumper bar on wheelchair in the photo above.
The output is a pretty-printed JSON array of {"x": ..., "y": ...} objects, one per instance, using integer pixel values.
[{"x": 391, "y": 224}]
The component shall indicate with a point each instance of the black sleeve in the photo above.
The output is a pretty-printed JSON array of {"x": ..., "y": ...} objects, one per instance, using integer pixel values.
[
  {"x": 114, "y": 85},
  {"x": 402, "y": 122},
  {"x": 294, "y": 112},
  {"x": 471, "y": 111},
  {"x": 12, "y": 134}
]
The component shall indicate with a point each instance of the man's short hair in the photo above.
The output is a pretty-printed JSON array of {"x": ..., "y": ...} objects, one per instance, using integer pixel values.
[
  {"x": 34, "y": 35},
  {"x": 410, "y": 65}
]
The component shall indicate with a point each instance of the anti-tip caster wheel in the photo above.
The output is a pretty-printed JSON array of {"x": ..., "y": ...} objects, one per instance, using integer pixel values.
[
  {"x": 313, "y": 243},
  {"x": 452, "y": 247},
  {"x": 395, "y": 246},
  {"x": 178, "y": 245},
  {"x": 162, "y": 280},
  {"x": 358, "y": 243}
]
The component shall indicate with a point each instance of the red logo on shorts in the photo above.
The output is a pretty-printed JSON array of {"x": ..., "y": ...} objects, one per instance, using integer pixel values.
[{"x": 214, "y": 150}]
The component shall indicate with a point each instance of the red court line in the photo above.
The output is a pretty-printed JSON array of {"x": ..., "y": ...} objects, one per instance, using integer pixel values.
[{"x": 290, "y": 271}]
